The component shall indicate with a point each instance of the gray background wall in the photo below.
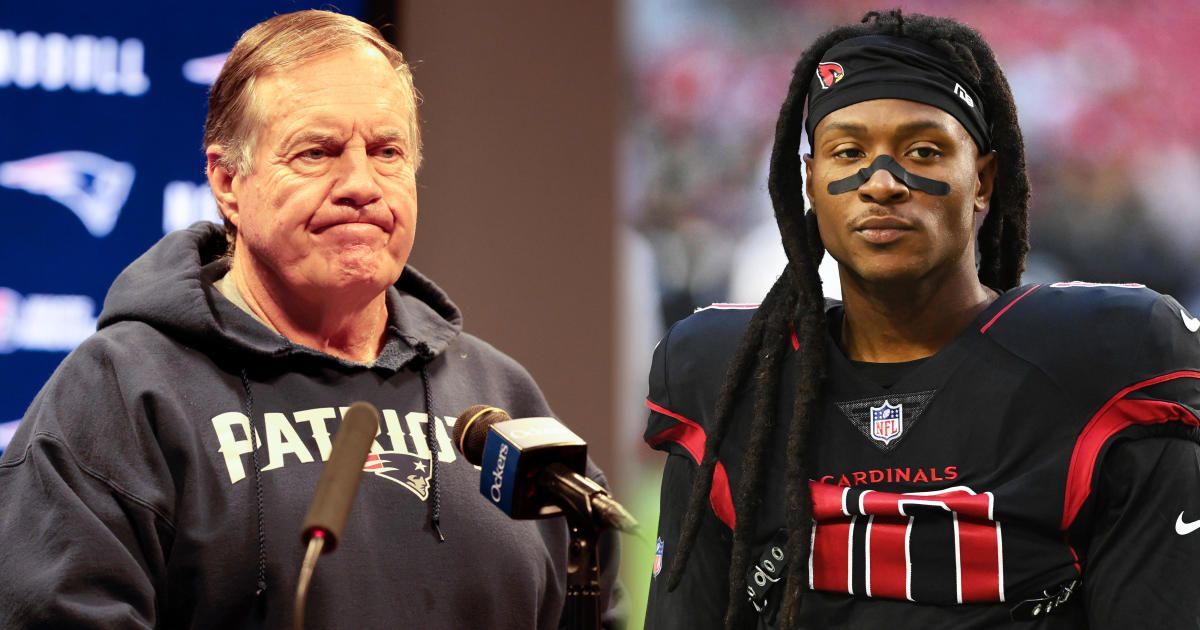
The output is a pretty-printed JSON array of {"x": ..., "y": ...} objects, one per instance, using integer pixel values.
[{"x": 516, "y": 192}]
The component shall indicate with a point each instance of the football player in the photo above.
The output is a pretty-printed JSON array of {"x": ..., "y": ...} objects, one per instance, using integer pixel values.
[{"x": 943, "y": 448}]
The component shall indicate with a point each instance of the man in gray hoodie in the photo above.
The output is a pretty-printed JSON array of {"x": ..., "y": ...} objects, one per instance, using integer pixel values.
[{"x": 160, "y": 477}]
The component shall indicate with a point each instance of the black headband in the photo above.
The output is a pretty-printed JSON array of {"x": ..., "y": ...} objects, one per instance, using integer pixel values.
[{"x": 884, "y": 66}]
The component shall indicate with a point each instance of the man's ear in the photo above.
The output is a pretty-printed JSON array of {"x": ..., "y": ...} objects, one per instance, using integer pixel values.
[
  {"x": 985, "y": 168},
  {"x": 808, "y": 178},
  {"x": 220, "y": 180}
]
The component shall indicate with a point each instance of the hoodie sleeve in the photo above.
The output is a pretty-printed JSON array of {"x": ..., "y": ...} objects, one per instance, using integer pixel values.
[{"x": 79, "y": 548}]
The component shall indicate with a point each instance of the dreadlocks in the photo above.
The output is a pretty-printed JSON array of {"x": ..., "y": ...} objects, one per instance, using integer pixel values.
[{"x": 796, "y": 303}]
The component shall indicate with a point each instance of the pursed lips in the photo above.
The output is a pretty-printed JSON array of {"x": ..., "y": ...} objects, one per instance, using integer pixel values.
[
  {"x": 883, "y": 223},
  {"x": 356, "y": 219},
  {"x": 882, "y": 229}
]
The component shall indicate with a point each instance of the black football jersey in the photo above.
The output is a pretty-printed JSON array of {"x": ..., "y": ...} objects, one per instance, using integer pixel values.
[{"x": 1040, "y": 471}]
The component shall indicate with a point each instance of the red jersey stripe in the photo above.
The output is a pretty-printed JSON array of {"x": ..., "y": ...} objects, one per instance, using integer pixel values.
[
  {"x": 720, "y": 497},
  {"x": 691, "y": 437},
  {"x": 888, "y": 565},
  {"x": 1010, "y": 305},
  {"x": 671, "y": 414},
  {"x": 1115, "y": 415},
  {"x": 979, "y": 557},
  {"x": 832, "y": 556},
  {"x": 684, "y": 435}
]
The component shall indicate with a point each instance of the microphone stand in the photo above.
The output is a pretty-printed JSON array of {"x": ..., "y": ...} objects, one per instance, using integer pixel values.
[
  {"x": 311, "y": 554},
  {"x": 574, "y": 493}
]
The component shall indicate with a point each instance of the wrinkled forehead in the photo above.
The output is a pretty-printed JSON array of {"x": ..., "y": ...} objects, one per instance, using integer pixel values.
[
  {"x": 344, "y": 87},
  {"x": 342, "y": 69}
]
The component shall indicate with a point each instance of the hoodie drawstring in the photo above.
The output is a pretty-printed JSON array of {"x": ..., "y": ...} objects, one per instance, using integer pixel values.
[
  {"x": 258, "y": 488},
  {"x": 435, "y": 518}
]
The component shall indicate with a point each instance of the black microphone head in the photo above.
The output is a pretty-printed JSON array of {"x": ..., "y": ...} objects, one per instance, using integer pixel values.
[
  {"x": 340, "y": 476},
  {"x": 471, "y": 428}
]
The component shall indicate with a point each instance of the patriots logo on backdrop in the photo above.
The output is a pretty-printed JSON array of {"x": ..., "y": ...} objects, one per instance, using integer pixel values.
[
  {"x": 204, "y": 70},
  {"x": 830, "y": 72},
  {"x": 410, "y": 471},
  {"x": 887, "y": 422},
  {"x": 92, "y": 186}
]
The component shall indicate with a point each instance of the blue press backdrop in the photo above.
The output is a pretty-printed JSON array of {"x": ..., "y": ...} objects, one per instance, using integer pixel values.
[{"x": 102, "y": 111}]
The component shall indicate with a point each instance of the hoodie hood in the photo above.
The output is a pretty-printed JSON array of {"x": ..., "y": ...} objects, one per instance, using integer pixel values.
[{"x": 170, "y": 287}]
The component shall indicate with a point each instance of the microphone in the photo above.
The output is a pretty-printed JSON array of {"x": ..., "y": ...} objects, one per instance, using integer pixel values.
[
  {"x": 335, "y": 492},
  {"x": 339, "y": 479},
  {"x": 533, "y": 467}
]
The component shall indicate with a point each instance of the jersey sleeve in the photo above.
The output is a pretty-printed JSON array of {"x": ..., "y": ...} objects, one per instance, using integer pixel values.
[
  {"x": 1145, "y": 544},
  {"x": 1142, "y": 380},
  {"x": 1141, "y": 549},
  {"x": 667, "y": 428},
  {"x": 699, "y": 601}
]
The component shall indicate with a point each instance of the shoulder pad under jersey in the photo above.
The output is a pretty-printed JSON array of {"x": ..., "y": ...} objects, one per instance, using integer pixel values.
[
  {"x": 690, "y": 362},
  {"x": 1097, "y": 339}
]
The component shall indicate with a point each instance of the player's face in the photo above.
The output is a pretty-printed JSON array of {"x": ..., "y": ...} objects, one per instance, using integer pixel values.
[
  {"x": 885, "y": 231},
  {"x": 331, "y": 204}
]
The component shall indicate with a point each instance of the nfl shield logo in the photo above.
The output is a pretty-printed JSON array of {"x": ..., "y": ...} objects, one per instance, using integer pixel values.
[
  {"x": 658, "y": 558},
  {"x": 887, "y": 421}
]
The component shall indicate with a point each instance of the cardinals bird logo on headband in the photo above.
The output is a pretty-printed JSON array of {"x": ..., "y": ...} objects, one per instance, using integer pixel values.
[{"x": 829, "y": 72}]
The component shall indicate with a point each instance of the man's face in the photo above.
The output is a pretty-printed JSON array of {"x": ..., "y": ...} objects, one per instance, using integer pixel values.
[
  {"x": 331, "y": 205},
  {"x": 885, "y": 231}
]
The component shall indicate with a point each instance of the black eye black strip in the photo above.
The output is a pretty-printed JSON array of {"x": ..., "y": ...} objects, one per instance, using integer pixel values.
[{"x": 889, "y": 164}]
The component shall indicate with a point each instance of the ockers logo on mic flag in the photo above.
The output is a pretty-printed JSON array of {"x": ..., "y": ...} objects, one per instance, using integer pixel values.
[
  {"x": 515, "y": 451},
  {"x": 829, "y": 72},
  {"x": 497, "y": 478}
]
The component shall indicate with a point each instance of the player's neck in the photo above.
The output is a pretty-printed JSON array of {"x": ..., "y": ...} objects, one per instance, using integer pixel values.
[
  {"x": 340, "y": 326},
  {"x": 899, "y": 322}
]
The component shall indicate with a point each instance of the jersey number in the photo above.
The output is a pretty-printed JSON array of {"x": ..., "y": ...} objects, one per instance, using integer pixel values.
[{"x": 923, "y": 546}]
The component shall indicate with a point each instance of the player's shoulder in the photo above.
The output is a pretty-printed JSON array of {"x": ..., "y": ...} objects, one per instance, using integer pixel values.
[
  {"x": 712, "y": 330},
  {"x": 715, "y": 330},
  {"x": 1080, "y": 310},
  {"x": 690, "y": 362},
  {"x": 1124, "y": 331}
]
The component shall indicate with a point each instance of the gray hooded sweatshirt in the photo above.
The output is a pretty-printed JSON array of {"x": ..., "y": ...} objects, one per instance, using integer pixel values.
[{"x": 135, "y": 495}]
